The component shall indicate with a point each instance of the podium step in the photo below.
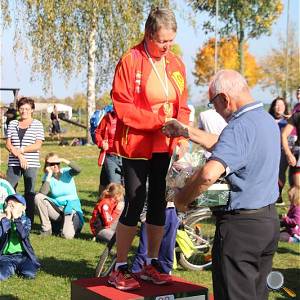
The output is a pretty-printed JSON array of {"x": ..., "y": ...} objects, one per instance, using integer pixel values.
[{"x": 99, "y": 289}]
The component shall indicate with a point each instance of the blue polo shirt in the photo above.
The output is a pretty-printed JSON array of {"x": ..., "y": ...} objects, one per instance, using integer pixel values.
[{"x": 249, "y": 149}]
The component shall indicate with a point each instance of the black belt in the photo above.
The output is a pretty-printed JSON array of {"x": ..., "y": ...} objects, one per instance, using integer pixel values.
[{"x": 243, "y": 211}]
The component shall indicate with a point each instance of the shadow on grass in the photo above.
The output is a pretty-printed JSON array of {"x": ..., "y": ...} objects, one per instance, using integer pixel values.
[
  {"x": 8, "y": 297},
  {"x": 89, "y": 203},
  {"x": 283, "y": 250},
  {"x": 66, "y": 268},
  {"x": 84, "y": 236},
  {"x": 291, "y": 281},
  {"x": 90, "y": 194}
]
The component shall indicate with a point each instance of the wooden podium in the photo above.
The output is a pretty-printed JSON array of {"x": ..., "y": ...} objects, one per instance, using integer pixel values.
[{"x": 99, "y": 289}]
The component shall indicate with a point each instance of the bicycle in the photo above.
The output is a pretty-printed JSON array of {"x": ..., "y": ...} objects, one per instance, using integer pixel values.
[{"x": 193, "y": 243}]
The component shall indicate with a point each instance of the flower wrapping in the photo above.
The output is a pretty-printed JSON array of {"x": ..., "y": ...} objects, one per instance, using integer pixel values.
[{"x": 182, "y": 169}]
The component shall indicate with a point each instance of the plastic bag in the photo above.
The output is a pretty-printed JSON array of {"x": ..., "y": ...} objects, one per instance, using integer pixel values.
[{"x": 182, "y": 169}]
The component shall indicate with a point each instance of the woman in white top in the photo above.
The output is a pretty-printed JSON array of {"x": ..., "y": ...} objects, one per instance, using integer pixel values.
[{"x": 24, "y": 140}]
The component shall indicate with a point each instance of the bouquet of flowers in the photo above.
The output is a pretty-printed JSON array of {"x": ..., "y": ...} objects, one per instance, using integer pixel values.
[{"x": 181, "y": 169}]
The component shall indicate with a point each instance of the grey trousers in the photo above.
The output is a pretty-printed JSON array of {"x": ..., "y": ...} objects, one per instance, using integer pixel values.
[
  {"x": 48, "y": 211},
  {"x": 105, "y": 234},
  {"x": 29, "y": 176}
]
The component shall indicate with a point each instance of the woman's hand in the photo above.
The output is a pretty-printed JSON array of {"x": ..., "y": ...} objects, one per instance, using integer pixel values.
[
  {"x": 105, "y": 145},
  {"x": 23, "y": 161},
  {"x": 49, "y": 171},
  {"x": 291, "y": 160},
  {"x": 15, "y": 151},
  {"x": 63, "y": 160}
]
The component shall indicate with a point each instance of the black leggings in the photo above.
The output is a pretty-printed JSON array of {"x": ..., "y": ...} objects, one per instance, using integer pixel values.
[{"x": 136, "y": 173}]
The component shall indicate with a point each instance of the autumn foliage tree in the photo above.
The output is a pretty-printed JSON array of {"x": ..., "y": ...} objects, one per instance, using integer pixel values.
[
  {"x": 282, "y": 65},
  {"x": 227, "y": 59},
  {"x": 242, "y": 18}
]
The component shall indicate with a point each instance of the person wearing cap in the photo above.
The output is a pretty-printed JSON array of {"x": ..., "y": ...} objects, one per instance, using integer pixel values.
[
  {"x": 57, "y": 200},
  {"x": 16, "y": 253}
]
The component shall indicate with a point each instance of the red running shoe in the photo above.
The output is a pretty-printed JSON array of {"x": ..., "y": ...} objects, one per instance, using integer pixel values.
[
  {"x": 155, "y": 273},
  {"x": 122, "y": 279}
]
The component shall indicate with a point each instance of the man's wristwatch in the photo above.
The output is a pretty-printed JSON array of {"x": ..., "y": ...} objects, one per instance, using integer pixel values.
[{"x": 186, "y": 133}]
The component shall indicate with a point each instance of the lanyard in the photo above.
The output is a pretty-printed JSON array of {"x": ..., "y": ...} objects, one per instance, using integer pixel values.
[
  {"x": 166, "y": 106},
  {"x": 163, "y": 84}
]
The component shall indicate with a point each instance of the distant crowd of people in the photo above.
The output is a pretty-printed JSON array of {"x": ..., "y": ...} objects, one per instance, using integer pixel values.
[{"x": 150, "y": 118}]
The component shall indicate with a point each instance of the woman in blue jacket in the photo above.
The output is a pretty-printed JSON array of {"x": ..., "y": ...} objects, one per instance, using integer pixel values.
[{"x": 57, "y": 200}]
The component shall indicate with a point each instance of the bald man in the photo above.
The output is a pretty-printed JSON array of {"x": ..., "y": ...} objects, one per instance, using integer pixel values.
[{"x": 247, "y": 152}]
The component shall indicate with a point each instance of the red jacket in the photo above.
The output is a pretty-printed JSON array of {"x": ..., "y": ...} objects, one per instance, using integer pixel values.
[
  {"x": 106, "y": 210},
  {"x": 136, "y": 121},
  {"x": 106, "y": 131}
]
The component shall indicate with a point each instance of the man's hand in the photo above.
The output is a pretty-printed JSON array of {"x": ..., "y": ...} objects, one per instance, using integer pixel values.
[{"x": 174, "y": 128}]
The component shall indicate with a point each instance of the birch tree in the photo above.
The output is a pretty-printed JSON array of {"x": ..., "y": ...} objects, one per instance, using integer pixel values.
[{"x": 74, "y": 36}]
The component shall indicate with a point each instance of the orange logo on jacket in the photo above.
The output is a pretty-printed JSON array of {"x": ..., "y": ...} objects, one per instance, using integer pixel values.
[{"x": 179, "y": 80}]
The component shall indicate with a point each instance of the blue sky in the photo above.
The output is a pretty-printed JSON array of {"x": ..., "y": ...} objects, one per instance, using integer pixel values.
[{"x": 16, "y": 72}]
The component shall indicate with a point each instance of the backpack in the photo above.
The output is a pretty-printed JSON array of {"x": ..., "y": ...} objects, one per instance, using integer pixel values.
[{"x": 96, "y": 118}]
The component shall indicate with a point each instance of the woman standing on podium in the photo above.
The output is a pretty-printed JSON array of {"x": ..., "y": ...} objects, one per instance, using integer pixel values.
[{"x": 149, "y": 88}]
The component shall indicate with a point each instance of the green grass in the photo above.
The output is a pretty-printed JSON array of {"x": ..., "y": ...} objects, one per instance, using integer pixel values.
[{"x": 65, "y": 260}]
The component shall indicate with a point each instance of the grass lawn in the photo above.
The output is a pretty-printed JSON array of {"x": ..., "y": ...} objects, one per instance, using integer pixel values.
[{"x": 65, "y": 260}]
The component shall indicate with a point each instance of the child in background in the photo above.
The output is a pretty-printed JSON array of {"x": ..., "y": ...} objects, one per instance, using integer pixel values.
[
  {"x": 107, "y": 212},
  {"x": 291, "y": 221},
  {"x": 16, "y": 253}
]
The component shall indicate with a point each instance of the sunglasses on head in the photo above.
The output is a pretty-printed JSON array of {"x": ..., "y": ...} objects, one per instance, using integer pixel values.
[{"x": 51, "y": 164}]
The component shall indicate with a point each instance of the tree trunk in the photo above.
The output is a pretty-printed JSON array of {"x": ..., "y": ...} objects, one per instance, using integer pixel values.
[
  {"x": 91, "y": 103},
  {"x": 241, "y": 41}
]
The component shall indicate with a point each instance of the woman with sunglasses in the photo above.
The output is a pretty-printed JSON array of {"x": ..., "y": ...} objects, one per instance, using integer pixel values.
[
  {"x": 24, "y": 140},
  {"x": 57, "y": 201}
]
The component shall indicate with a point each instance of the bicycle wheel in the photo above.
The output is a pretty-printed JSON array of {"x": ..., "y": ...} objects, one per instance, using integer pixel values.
[
  {"x": 203, "y": 226},
  {"x": 200, "y": 229},
  {"x": 107, "y": 259},
  {"x": 197, "y": 262}
]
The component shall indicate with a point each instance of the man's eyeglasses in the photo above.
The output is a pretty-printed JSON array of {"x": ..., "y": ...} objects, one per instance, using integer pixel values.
[
  {"x": 211, "y": 101},
  {"x": 53, "y": 164}
]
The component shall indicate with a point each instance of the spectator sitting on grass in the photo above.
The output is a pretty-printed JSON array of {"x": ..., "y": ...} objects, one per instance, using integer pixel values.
[
  {"x": 291, "y": 221},
  {"x": 57, "y": 200},
  {"x": 16, "y": 253}
]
